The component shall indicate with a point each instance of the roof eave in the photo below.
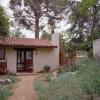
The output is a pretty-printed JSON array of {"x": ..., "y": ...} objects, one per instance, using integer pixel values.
[{"x": 24, "y": 46}]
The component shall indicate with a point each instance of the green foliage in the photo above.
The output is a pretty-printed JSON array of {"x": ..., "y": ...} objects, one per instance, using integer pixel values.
[
  {"x": 85, "y": 5},
  {"x": 90, "y": 76},
  {"x": 46, "y": 35},
  {"x": 73, "y": 86},
  {"x": 4, "y": 93},
  {"x": 12, "y": 78},
  {"x": 95, "y": 35},
  {"x": 83, "y": 13},
  {"x": 17, "y": 33},
  {"x": 83, "y": 46},
  {"x": 4, "y": 23},
  {"x": 49, "y": 77},
  {"x": 65, "y": 88},
  {"x": 60, "y": 2},
  {"x": 64, "y": 41},
  {"x": 65, "y": 36},
  {"x": 5, "y": 90}
]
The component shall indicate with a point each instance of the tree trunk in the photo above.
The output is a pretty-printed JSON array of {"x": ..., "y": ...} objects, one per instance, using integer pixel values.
[{"x": 37, "y": 27}]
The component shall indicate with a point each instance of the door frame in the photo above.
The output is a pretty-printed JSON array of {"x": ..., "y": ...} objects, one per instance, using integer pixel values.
[{"x": 24, "y": 50}]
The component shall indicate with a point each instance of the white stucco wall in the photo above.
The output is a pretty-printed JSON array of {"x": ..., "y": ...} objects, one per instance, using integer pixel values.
[
  {"x": 10, "y": 55},
  {"x": 96, "y": 48},
  {"x": 47, "y": 56}
]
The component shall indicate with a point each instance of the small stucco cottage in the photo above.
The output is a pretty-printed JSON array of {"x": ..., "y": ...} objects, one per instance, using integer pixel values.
[{"x": 26, "y": 54}]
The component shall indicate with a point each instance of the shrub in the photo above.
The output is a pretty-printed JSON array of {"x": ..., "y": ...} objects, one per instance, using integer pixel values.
[
  {"x": 46, "y": 68},
  {"x": 65, "y": 88},
  {"x": 4, "y": 93},
  {"x": 12, "y": 78},
  {"x": 49, "y": 77},
  {"x": 5, "y": 90},
  {"x": 90, "y": 77},
  {"x": 71, "y": 86}
]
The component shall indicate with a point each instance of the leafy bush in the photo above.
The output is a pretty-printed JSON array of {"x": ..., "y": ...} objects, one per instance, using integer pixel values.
[
  {"x": 5, "y": 90},
  {"x": 82, "y": 46},
  {"x": 4, "y": 93},
  {"x": 49, "y": 77},
  {"x": 65, "y": 88},
  {"x": 12, "y": 78},
  {"x": 46, "y": 68},
  {"x": 73, "y": 86},
  {"x": 90, "y": 76}
]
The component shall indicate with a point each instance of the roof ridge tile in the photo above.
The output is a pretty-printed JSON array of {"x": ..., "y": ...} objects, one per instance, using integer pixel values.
[{"x": 26, "y": 42}]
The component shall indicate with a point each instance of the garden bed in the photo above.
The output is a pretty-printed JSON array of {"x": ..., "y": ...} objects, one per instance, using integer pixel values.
[
  {"x": 82, "y": 85},
  {"x": 6, "y": 86}
]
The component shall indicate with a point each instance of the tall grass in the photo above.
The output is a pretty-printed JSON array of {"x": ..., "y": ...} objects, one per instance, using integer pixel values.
[
  {"x": 4, "y": 93},
  {"x": 73, "y": 86},
  {"x": 5, "y": 90},
  {"x": 89, "y": 75}
]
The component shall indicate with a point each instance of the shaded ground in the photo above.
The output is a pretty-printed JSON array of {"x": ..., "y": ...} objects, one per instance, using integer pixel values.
[{"x": 24, "y": 89}]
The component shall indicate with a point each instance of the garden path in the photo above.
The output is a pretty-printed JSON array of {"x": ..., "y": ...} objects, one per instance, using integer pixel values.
[{"x": 23, "y": 89}]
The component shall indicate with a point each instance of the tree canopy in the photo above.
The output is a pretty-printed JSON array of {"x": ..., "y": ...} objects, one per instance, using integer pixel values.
[
  {"x": 82, "y": 15},
  {"x": 17, "y": 33},
  {"x": 4, "y": 23},
  {"x": 85, "y": 19},
  {"x": 28, "y": 13}
]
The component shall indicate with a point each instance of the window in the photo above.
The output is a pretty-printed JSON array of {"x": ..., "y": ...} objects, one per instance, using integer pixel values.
[
  {"x": 29, "y": 55},
  {"x": 2, "y": 53}
]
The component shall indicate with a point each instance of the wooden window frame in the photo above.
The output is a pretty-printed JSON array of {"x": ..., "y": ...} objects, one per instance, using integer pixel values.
[
  {"x": 3, "y": 58},
  {"x": 24, "y": 50}
]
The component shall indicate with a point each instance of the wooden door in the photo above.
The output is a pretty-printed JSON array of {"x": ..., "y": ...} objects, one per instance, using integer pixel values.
[
  {"x": 20, "y": 60},
  {"x": 29, "y": 60},
  {"x": 24, "y": 60}
]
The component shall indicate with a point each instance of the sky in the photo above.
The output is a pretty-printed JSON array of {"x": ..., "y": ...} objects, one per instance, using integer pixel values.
[
  {"x": 30, "y": 34},
  {"x": 5, "y": 4}
]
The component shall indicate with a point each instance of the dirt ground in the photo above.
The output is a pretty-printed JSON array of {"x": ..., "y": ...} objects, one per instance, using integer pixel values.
[{"x": 23, "y": 89}]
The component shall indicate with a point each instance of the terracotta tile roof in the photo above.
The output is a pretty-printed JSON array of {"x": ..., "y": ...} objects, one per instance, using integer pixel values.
[{"x": 26, "y": 42}]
